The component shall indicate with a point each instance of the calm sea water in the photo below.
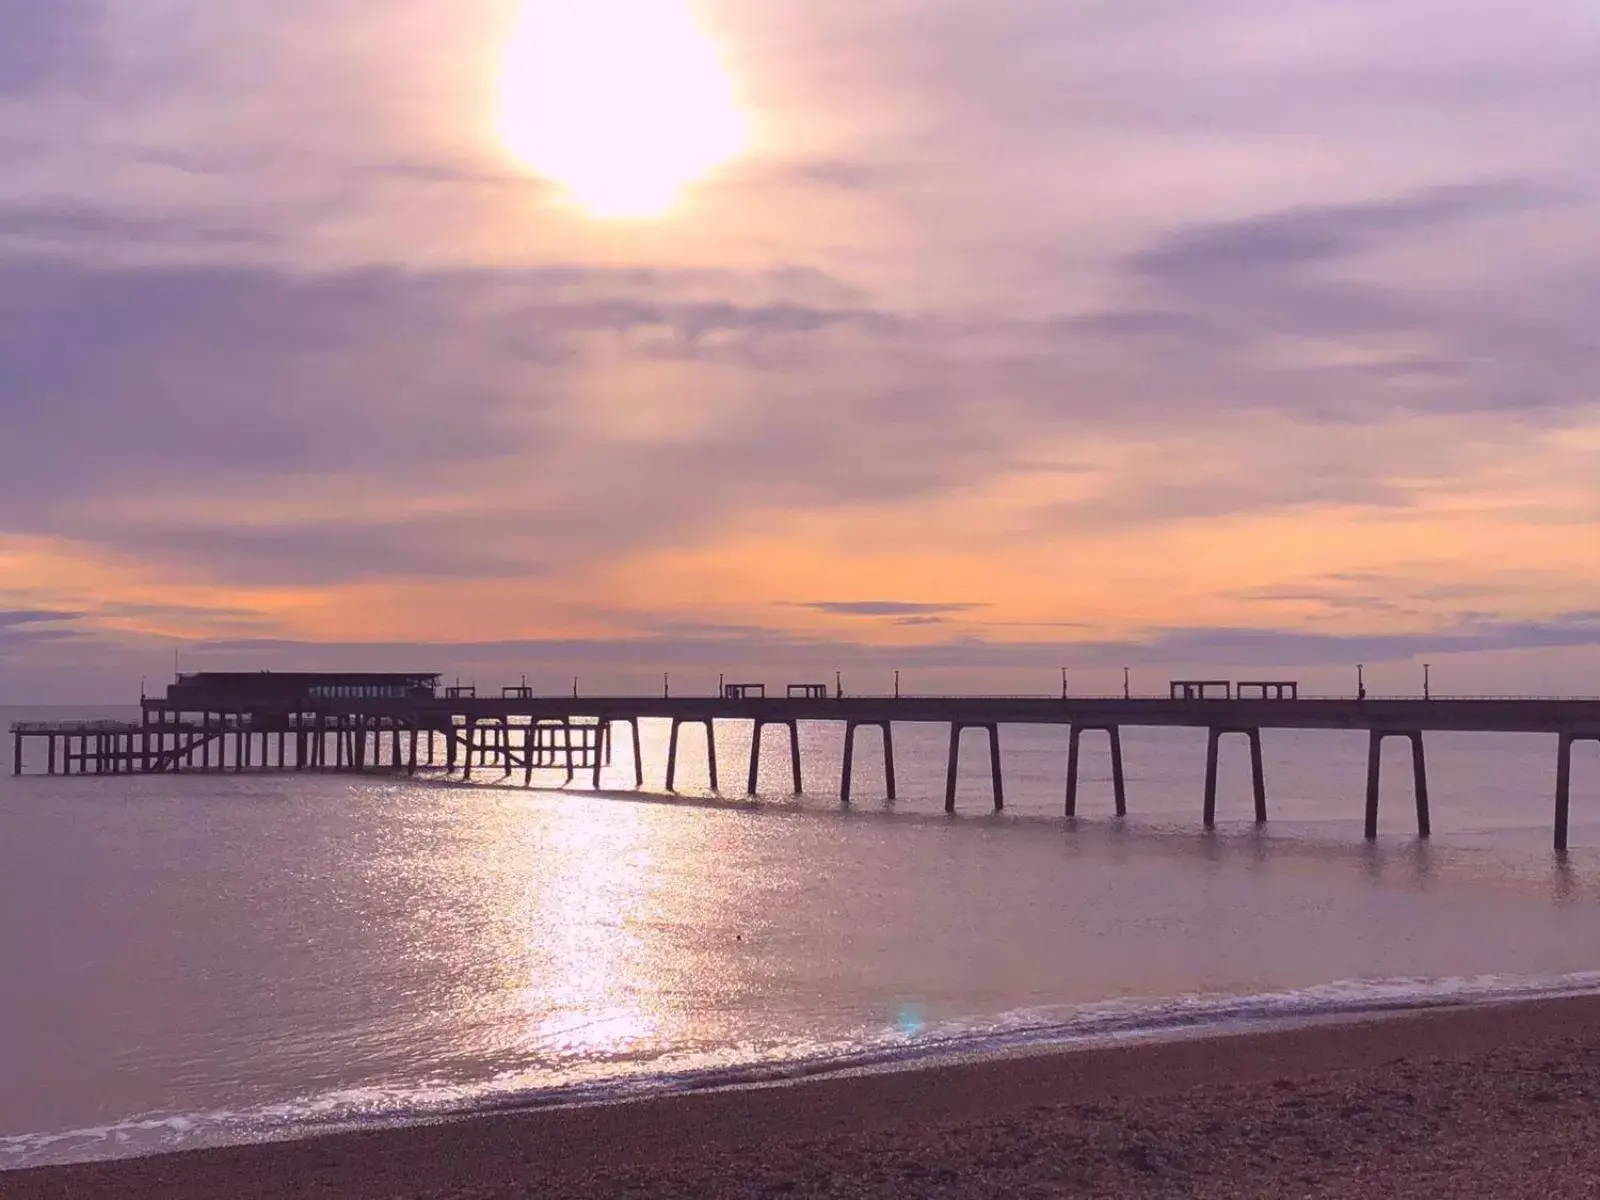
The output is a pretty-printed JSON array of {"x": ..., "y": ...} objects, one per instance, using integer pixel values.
[{"x": 198, "y": 960}]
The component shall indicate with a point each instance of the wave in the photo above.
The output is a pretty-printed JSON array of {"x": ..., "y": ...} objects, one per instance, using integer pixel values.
[{"x": 913, "y": 1045}]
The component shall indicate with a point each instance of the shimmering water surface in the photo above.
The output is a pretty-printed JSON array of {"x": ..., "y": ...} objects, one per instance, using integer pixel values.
[{"x": 196, "y": 960}]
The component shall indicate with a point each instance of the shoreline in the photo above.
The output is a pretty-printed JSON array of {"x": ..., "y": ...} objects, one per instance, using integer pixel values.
[{"x": 1139, "y": 1112}]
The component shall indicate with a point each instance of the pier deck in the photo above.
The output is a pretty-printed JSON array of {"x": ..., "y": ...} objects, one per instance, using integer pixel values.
[{"x": 401, "y": 723}]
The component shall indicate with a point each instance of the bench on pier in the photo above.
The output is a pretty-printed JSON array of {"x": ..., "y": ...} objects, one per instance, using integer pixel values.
[
  {"x": 1267, "y": 689},
  {"x": 808, "y": 691},
  {"x": 521, "y": 692},
  {"x": 744, "y": 691},
  {"x": 461, "y": 692},
  {"x": 1201, "y": 689}
]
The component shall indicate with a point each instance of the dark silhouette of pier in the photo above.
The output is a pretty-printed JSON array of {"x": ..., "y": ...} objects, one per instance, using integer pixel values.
[{"x": 402, "y": 723}]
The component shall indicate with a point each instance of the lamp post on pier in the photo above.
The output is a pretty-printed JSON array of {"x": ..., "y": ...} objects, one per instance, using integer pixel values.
[{"x": 1427, "y": 686}]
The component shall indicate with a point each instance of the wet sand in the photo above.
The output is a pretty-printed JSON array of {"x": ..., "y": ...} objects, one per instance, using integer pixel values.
[{"x": 1493, "y": 1102}]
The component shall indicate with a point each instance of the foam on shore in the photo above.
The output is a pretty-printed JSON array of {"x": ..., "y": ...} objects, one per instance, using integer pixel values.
[{"x": 907, "y": 1047}]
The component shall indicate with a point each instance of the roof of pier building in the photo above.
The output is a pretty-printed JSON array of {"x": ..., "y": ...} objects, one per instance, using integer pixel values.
[{"x": 222, "y": 690}]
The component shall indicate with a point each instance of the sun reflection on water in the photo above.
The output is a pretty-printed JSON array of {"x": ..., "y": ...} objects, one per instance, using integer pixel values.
[{"x": 587, "y": 989}]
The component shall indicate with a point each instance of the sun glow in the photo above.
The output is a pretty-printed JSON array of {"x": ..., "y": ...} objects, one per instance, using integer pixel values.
[{"x": 622, "y": 102}]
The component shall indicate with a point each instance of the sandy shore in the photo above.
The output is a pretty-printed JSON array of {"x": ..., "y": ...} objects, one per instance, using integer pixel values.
[{"x": 1500, "y": 1102}]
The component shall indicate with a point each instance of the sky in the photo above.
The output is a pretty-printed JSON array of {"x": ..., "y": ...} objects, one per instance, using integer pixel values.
[{"x": 970, "y": 339}]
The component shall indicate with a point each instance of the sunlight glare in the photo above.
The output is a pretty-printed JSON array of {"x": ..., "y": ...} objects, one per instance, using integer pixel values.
[{"x": 622, "y": 102}]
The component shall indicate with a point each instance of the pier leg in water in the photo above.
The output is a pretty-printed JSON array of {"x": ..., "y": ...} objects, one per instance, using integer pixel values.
[
  {"x": 672, "y": 753},
  {"x": 794, "y": 758},
  {"x": 850, "y": 728},
  {"x": 1563, "y": 790},
  {"x": 1564, "y": 783},
  {"x": 470, "y": 734},
  {"x": 755, "y": 755},
  {"x": 1213, "y": 737},
  {"x": 1074, "y": 740},
  {"x": 1119, "y": 785},
  {"x": 994, "y": 767},
  {"x": 1258, "y": 775},
  {"x": 599, "y": 751},
  {"x": 888, "y": 757},
  {"x": 955, "y": 762},
  {"x": 638, "y": 753},
  {"x": 1374, "y": 778},
  {"x": 711, "y": 751},
  {"x": 1419, "y": 774}
]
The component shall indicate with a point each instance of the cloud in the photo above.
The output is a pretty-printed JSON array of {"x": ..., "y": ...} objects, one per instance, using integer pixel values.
[
  {"x": 887, "y": 608},
  {"x": 256, "y": 424},
  {"x": 43, "y": 40},
  {"x": 1090, "y": 281},
  {"x": 1323, "y": 233},
  {"x": 1242, "y": 647},
  {"x": 23, "y": 629},
  {"x": 13, "y": 618},
  {"x": 83, "y": 226}
]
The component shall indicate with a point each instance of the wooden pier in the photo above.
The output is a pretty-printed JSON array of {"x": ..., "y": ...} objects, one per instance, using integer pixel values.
[{"x": 357, "y": 723}]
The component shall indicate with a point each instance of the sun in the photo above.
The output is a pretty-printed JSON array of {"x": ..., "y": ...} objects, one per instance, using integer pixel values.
[{"x": 622, "y": 102}]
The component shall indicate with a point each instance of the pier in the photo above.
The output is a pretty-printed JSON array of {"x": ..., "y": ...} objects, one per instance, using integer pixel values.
[{"x": 405, "y": 723}]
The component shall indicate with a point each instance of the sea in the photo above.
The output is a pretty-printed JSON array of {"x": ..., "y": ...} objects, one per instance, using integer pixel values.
[{"x": 203, "y": 960}]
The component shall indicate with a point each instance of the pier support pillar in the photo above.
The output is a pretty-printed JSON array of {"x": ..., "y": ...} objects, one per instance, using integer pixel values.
[
  {"x": 757, "y": 727},
  {"x": 1118, "y": 782},
  {"x": 955, "y": 763},
  {"x": 888, "y": 760},
  {"x": 845, "y": 778},
  {"x": 638, "y": 752},
  {"x": 1564, "y": 782},
  {"x": 711, "y": 749},
  {"x": 16, "y": 753},
  {"x": 993, "y": 730},
  {"x": 600, "y": 733},
  {"x": 1419, "y": 772},
  {"x": 1258, "y": 775},
  {"x": 470, "y": 736}
]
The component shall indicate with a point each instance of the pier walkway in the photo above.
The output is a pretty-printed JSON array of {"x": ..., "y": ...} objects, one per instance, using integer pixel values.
[{"x": 345, "y": 722}]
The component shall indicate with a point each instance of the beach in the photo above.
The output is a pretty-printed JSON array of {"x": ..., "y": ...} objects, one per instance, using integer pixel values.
[{"x": 1494, "y": 1100}]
